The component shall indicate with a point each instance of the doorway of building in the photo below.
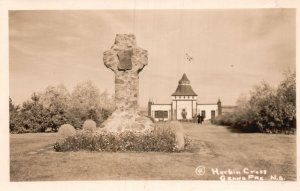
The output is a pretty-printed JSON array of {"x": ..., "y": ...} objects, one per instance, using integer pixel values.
[
  {"x": 203, "y": 114},
  {"x": 213, "y": 114}
]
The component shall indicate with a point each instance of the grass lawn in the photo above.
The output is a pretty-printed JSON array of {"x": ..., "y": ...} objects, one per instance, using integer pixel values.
[{"x": 33, "y": 159}]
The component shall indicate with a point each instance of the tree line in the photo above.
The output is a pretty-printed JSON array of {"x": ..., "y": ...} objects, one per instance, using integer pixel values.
[
  {"x": 55, "y": 106},
  {"x": 265, "y": 109}
]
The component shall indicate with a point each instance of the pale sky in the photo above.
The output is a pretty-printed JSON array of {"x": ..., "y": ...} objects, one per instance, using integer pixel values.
[{"x": 232, "y": 49}]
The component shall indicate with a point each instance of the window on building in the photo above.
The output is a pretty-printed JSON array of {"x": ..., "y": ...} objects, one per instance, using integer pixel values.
[
  {"x": 213, "y": 114},
  {"x": 165, "y": 114},
  {"x": 157, "y": 114},
  {"x": 179, "y": 97},
  {"x": 203, "y": 113},
  {"x": 161, "y": 114}
]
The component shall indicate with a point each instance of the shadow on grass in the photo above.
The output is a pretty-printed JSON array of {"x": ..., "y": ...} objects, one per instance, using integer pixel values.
[
  {"x": 243, "y": 131},
  {"x": 234, "y": 130}
]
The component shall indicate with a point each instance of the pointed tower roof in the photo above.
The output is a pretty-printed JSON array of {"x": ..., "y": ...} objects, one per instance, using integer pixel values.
[
  {"x": 184, "y": 79},
  {"x": 184, "y": 87}
]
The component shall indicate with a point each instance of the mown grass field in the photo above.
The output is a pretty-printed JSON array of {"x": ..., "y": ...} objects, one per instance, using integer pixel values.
[{"x": 33, "y": 159}]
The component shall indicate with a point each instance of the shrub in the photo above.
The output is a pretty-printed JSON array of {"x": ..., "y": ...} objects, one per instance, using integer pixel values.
[
  {"x": 172, "y": 128},
  {"x": 160, "y": 139},
  {"x": 66, "y": 130},
  {"x": 268, "y": 110},
  {"x": 89, "y": 125},
  {"x": 224, "y": 119}
]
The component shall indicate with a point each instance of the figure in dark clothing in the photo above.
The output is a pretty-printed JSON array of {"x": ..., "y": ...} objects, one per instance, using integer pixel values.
[
  {"x": 202, "y": 118},
  {"x": 183, "y": 114},
  {"x": 199, "y": 119}
]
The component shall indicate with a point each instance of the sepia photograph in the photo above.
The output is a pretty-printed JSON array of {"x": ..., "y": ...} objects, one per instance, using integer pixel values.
[{"x": 206, "y": 95}]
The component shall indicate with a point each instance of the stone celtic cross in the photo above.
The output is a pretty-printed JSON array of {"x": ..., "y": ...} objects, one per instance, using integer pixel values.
[{"x": 126, "y": 60}]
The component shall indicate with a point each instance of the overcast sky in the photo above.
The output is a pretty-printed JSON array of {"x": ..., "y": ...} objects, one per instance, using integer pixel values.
[{"x": 232, "y": 50}]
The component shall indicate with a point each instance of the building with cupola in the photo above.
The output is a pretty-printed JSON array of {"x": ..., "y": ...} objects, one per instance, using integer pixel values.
[{"x": 183, "y": 105}]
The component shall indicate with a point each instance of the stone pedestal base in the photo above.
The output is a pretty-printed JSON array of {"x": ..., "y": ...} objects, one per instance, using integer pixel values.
[{"x": 122, "y": 121}]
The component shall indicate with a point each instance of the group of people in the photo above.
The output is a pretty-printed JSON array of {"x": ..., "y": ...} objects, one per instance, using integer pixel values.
[{"x": 199, "y": 118}]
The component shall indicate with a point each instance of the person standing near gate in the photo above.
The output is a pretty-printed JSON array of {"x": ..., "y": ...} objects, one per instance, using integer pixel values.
[
  {"x": 183, "y": 114},
  {"x": 202, "y": 118},
  {"x": 199, "y": 118}
]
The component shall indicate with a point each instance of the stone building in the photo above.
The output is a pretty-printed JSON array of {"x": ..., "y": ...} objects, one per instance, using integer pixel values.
[{"x": 184, "y": 105}]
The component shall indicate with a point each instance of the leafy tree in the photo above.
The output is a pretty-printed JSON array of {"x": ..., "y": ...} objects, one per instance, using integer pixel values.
[
  {"x": 56, "y": 101},
  {"x": 272, "y": 110},
  {"x": 286, "y": 94},
  {"x": 268, "y": 109},
  {"x": 107, "y": 102},
  {"x": 107, "y": 105},
  {"x": 55, "y": 95},
  {"x": 287, "y": 89},
  {"x": 33, "y": 116},
  {"x": 85, "y": 102},
  {"x": 56, "y": 106},
  {"x": 12, "y": 107},
  {"x": 13, "y": 116}
]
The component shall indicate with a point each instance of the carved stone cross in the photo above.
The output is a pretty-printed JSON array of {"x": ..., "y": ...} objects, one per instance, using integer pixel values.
[{"x": 126, "y": 60}]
